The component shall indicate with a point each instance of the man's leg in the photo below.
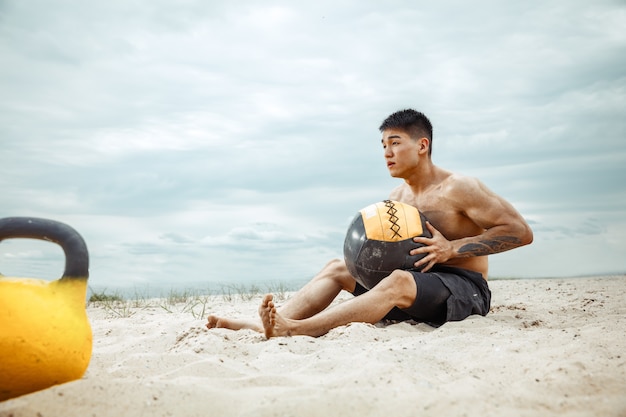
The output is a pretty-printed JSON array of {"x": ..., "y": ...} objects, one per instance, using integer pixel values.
[
  {"x": 318, "y": 293},
  {"x": 397, "y": 290},
  {"x": 314, "y": 297}
]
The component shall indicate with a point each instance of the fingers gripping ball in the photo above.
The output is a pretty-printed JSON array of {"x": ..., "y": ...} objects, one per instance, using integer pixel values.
[{"x": 379, "y": 240}]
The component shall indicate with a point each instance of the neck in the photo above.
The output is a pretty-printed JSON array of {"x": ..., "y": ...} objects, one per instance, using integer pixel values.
[{"x": 423, "y": 178}]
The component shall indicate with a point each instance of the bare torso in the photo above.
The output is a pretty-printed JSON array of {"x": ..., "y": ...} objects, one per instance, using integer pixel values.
[{"x": 441, "y": 206}]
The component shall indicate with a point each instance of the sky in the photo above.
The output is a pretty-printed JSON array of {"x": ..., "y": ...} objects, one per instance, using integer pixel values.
[{"x": 199, "y": 142}]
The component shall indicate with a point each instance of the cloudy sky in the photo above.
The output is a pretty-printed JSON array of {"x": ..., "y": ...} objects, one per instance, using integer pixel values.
[{"x": 196, "y": 142}]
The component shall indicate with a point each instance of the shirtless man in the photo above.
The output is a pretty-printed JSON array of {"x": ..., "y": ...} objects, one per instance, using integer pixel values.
[{"x": 467, "y": 221}]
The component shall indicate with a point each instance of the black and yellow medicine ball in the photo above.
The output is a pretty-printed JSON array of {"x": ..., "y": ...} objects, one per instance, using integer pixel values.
[{"x": 379, "y": 240}]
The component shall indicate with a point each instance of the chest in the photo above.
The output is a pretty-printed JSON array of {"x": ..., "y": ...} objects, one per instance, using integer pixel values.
[{"x": 442, "y": 212}]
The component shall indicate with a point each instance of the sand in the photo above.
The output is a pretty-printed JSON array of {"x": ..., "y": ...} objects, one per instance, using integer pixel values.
[{"x": 549, "y": 347}]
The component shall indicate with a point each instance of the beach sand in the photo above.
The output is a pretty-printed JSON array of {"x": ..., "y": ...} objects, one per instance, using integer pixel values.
[{"x": 549, "y": 347}]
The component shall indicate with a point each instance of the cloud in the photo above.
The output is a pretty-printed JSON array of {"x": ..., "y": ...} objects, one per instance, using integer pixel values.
[{"x": 171, "y": 135}]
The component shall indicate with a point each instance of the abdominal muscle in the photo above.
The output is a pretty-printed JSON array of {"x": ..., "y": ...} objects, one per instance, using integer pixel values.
[{"x": 478, "y": 264}]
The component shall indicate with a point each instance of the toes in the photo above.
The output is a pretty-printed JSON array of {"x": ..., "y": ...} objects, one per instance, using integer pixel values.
[
  {"x": 267, "y": 300},
  {"x": 211, "y": 322}
]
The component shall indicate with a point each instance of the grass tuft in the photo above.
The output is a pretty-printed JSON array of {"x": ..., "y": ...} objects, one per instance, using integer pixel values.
[
  {"x": 194, "y": 302},
  {"x": 102, "y": 296}
]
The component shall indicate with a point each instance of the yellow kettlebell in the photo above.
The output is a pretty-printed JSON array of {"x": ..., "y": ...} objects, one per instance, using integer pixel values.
[{"x": 45, "y": 336}]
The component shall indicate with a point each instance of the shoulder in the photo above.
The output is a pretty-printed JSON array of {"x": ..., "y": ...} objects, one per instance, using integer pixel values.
[
  {"x": 465, "y": 189},
  {"x": 459, "y": 182}
]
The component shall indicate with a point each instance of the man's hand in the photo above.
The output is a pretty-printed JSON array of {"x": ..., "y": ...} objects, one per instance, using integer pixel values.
[{"x": 438, "y": 249}]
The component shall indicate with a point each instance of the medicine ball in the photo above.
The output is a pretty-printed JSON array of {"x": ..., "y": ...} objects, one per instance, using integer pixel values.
[{"x": 379, "y": 239}]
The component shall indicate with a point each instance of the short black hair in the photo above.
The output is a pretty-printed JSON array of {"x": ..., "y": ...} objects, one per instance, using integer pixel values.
[{"x": 414, "y": 123}]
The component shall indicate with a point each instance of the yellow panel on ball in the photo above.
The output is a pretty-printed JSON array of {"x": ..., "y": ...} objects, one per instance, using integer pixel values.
[{"x": 391, "y": 221}]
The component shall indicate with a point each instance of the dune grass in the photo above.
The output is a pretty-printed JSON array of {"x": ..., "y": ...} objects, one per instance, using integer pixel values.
[{"x": 195, "y": 302}]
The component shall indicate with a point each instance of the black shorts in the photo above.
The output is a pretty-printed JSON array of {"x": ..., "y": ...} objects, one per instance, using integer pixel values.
[{"x": 444, "y": 294}]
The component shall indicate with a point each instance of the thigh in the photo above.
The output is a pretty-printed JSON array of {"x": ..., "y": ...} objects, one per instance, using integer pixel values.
[{"x": 431, "y": 300}]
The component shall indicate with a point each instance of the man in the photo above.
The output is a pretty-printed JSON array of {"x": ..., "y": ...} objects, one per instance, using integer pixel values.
[{"x": 467, "y": 222}]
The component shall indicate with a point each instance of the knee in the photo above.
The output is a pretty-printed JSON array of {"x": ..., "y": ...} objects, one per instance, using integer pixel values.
[
  {"x": 401, "y": 287},
  {"x": 336, "y": 266},
  {"x": 337, "y": 270}
]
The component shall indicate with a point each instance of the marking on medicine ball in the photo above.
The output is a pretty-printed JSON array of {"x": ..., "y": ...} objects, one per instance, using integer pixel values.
[{"x": 393, "y": 219}]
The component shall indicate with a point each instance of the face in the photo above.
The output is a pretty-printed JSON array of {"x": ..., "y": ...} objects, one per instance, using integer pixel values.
[{"x": 401, "y": 152}]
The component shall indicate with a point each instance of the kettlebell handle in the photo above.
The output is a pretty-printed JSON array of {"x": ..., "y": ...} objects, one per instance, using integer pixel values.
[{"x": 72, "y": 243}]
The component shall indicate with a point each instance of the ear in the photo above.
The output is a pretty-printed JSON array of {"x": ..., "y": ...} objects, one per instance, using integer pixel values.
[{"x": 424, "y": 145}]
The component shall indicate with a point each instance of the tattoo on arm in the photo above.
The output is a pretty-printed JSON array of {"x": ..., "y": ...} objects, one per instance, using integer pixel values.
[{"x": 490, "y": 246}]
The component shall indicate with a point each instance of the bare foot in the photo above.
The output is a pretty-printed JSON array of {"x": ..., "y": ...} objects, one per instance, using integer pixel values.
[
  {"x": 214, "y": 322},
  {"x": 273, "y": 323}
]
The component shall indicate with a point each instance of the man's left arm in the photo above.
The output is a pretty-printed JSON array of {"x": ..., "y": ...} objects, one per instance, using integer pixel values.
[{"x": 503, "y": 227}]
